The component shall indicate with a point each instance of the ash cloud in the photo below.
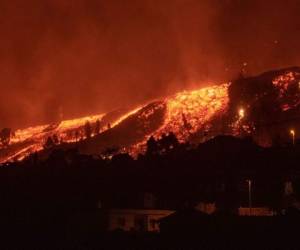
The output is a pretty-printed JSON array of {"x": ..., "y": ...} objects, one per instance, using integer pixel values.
[{"x": 83, "y": 57}]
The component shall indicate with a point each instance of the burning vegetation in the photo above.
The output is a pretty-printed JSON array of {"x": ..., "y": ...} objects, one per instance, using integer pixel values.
[{"x": 247, "y": 106}]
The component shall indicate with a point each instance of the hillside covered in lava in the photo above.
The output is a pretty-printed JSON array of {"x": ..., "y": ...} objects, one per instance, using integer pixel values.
[{"x": 265, "y": 107}]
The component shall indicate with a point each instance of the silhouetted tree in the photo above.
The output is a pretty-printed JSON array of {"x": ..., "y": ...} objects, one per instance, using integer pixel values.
[
  {"x": 55, "y": 139},
  {"x": 97, "y": 127},
  {"x": 109, "y": 152},
  {"x": 152, "y": 146},
  {"x": 168, "y": 142},
  {"x": 108, "y": 126},
  {"x": 76, "y": 134},
  {"x": 5, "y": 135},
  {"x": 49, "y": 143},
  {"x": 87, "y": 130},
  {"x": 122, "y": 159},
  {"x": 162, "y": 146}
]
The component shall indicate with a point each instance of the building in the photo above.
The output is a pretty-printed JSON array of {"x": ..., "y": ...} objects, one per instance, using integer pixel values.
[
  {"x": 141, "y": 220},
  {"x": 255, "y": 211},
  {"x": 206, "y": 207}
]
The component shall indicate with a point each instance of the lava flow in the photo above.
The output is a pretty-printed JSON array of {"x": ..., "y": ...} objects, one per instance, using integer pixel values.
[
  {"x": 189, "y": 111},
  {"x": 26, "y": 141},
  {"x": 286, "y": 84},
  {"x": 186, "y": 112},
  {"x": 238, "y": 108}
]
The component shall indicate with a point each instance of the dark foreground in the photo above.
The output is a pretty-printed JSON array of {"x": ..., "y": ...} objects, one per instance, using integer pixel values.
[{"x": 84, "y": 230}]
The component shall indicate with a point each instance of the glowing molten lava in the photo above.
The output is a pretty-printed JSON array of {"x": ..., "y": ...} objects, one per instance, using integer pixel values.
[
  {"x": 194, "y": 116},
  {"x": 32, "y": 139},
  {"x": 288, "y": 85},
  {"x": 185, "y": 113},
  {"x": 189, "y": 111}
]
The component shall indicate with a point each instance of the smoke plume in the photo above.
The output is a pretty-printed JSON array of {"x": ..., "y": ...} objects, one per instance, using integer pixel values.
[{"x": 72, "y": 58}]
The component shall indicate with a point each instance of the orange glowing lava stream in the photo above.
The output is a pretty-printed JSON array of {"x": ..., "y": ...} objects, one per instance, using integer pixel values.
[
  {"x": 35, "y": 133},
  {"x": 186, "y": 113},
  {"x": 20, "y": 155},
  {"x": 38, "y": 134},
  {"x": 122, "y": 118}
]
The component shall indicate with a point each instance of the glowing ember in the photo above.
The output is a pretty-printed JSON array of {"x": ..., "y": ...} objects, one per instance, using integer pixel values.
[
  {"x": 282, "y": 82},
  {"x": 241, "y": 113},
  {"x": 288, "y": 86}
]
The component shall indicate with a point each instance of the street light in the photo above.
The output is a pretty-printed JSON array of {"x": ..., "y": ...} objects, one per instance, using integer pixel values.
[
  {"x": 292, "y": 132},
  {"x": 250, "y": 195}
]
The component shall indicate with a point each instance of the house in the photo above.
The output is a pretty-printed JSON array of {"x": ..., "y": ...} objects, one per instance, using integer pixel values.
[
  {"x": 206, "y": 207},
  {"x": 141, "y": 220},
  {"x": 255, "y": 211}
]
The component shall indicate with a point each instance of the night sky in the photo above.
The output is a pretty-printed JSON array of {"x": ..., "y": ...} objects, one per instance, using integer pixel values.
[{"x": 85, "y": 56}]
